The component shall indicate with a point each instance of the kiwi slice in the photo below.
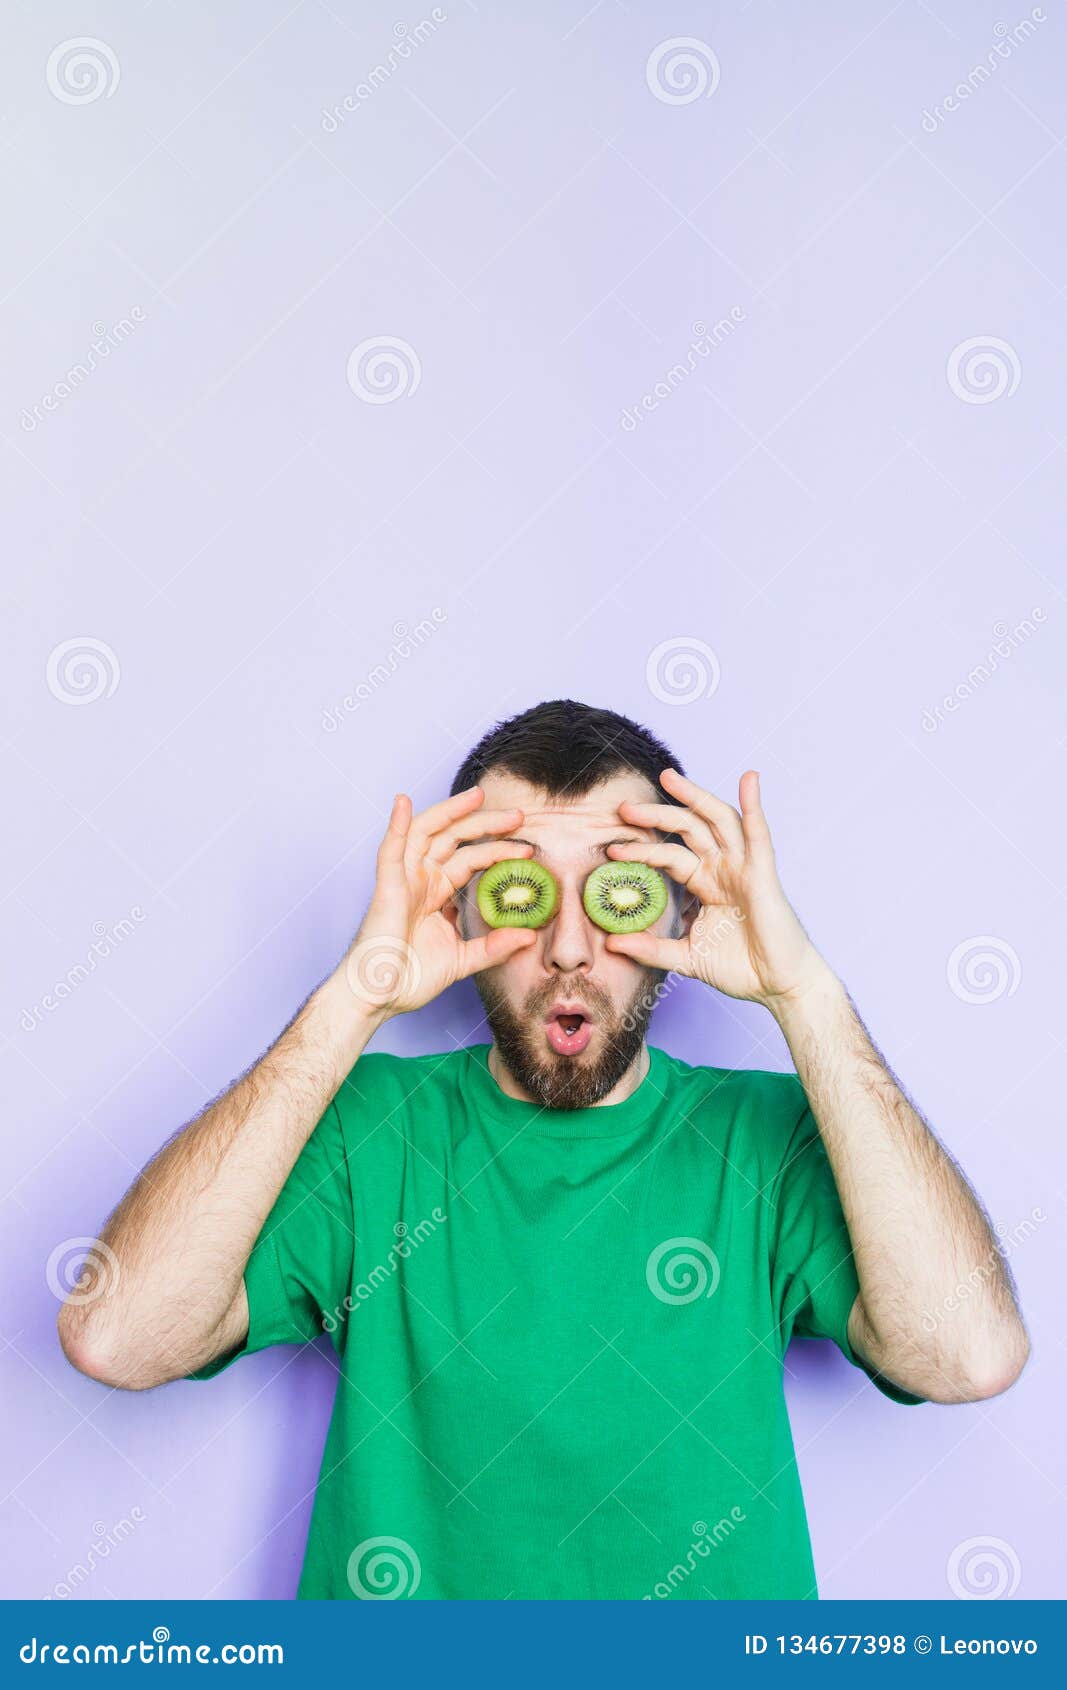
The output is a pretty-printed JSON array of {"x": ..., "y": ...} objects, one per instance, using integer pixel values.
[
  {"x": 517, "y": 893},
  {"x": 625, "y": 897}
]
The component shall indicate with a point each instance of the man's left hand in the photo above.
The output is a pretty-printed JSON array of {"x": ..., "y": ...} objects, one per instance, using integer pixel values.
[{"x": 742, "y": 935}]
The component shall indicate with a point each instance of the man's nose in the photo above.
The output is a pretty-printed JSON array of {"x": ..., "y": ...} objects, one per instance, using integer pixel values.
[{"x": 569, "y": 940}]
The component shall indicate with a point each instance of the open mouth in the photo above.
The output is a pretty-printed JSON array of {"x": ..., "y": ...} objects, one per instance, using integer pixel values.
[{"x": 568, "y": 1029}]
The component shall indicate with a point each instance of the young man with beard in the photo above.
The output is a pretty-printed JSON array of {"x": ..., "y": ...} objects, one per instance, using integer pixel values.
[{"x": 560, "y": 1270}]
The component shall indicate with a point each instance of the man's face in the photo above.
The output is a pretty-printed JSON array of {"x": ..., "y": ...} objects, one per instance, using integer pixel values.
[{"x": 531, "y": 1001}]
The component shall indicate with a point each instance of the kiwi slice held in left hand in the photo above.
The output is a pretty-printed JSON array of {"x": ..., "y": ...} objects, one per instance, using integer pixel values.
[{"x": 625, "y": 897}]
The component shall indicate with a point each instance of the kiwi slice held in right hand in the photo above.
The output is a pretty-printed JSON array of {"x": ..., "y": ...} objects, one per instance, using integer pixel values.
[
  {"x": 517, "y": 893},
  {"x": 625, "y": 897}
]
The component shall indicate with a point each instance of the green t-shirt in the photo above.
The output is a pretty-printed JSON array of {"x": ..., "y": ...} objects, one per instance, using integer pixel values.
[{"x": 560, "y": 1333}]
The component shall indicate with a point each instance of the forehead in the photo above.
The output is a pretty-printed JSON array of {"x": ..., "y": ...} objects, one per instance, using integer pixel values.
[{"x": 570, "y": 819}]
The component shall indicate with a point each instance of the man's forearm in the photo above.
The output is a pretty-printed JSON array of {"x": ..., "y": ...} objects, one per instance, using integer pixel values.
[
  {"x": 916, "y": 1227},
  {"x": 177, "y": 1245}
]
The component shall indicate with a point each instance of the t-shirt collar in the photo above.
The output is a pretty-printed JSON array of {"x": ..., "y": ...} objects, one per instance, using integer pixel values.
[{"x": 603, "y": 1120}]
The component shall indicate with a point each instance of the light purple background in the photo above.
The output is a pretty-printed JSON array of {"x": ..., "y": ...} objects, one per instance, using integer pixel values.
[{"x": 816, "y": 503}]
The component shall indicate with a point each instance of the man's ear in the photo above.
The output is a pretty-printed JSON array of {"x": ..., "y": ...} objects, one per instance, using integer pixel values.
[
  {"x": 454, "y": 913},
  {"x": 688, "y": 910}
]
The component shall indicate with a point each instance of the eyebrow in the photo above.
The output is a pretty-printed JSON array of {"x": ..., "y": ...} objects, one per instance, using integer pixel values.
[{"x": 594, "y": 850}]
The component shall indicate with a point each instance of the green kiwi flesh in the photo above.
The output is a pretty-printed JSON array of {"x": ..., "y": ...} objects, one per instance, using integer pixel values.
[
  {"x": 517, "y": 893},
  {"x": 625, "y": 897}
]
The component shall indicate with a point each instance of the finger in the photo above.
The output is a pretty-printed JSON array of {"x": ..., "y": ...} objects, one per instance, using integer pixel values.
[
  {"x": 470, "y": 861},
  {"x": 680, "y": 863},
  {"x": 441, "y": 845},
  {"x": 428, "y": 821},
  {"x": 394, "y": 842},
  {"x": 722, "y": 816},
  {"x": 672, "y": 818},
  {"x": 493, "y": 948},
  {"x": 649, "y": 950},
  {"x": 753, "y": 820}
]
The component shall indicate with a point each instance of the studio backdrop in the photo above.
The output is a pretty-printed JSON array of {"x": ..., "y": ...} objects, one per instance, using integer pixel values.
[{"x": 372, "y": 376}]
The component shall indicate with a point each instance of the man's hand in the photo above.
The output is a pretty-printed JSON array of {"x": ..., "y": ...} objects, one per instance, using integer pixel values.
[
  {"x": 743, "y": 936},
  {"x": 407, "y": 952}
]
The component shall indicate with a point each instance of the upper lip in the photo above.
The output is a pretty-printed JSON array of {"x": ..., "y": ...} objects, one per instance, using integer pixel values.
[{"x": 560, "y": 1007}]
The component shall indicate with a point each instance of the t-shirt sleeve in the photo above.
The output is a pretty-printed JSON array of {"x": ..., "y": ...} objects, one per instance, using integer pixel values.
[
  {"x": 300, "y": 1269},
  {"x": 814, "y": 1274}
]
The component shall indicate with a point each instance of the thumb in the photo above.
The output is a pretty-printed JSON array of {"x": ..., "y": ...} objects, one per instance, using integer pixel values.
[
  {"x": 493, "y": 948},
  {"x": 650, "y": 951}
]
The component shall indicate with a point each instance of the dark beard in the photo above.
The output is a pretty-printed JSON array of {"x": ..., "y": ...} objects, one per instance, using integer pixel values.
[{"x": 568, "y": 1082}]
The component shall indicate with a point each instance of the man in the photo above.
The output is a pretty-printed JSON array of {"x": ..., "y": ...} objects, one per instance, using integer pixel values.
[{"x": 560, "y": 1270}]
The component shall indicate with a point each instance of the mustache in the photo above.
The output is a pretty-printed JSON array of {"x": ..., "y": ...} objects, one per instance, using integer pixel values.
[{"x": 585, "y": 991}]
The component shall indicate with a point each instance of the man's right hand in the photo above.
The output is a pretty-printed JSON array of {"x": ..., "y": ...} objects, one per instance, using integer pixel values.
[{"x": 407, "y": 951}]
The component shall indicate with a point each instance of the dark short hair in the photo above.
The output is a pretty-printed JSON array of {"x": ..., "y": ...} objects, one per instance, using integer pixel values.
[{"x": 565, "y": 749}]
